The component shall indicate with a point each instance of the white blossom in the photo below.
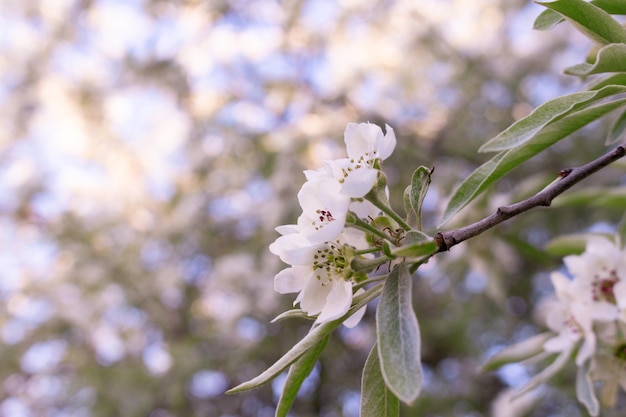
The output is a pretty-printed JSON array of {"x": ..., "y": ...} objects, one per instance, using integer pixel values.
[
  {"x": 365, "y": 144},
  {"x": 318, "y": 274}
]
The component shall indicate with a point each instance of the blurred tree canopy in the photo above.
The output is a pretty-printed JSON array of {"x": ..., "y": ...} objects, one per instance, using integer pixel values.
[{"x": 149, "y": 148}]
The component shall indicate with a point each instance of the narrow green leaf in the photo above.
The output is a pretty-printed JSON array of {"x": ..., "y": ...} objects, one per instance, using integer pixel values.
[
  {"x": 506, "y": 161},
  {"x": 611, "y": 6},
  {"x": 618, "y": 129},
  {"x": 526, "y": 128},
  {"x": 548, "y": 372},
  {"x": 611, "y": 58},
  {"x": 297, "y": 374},
  {"x": 414, "y": 195},
  {"x": 585, "y": 392},
  {"x": 471, "y": 187},
  {"x": 376, "y": 399},
  {"x": 573, "y": 244},
  {"x": 613, "y": 79},
  {"x": 399, "y": 341},
  {"x": 547, "y": 20},
  {"x": 316, "y": 334},
  {"x": 590, "y": 20},
  {"x": 605, "y": 197},
  {"x": 517, "y": 352}
]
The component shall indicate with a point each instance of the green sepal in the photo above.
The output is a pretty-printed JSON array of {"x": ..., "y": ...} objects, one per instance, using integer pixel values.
[
  {"x": 415, "y": 244},
  {"x": 414, "y": 195}
]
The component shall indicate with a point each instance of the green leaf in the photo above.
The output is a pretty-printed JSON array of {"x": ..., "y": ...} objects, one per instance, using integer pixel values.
[
  {"x": 611, "y": 6},
  {"x": 414, "y": 195},
  {"x": 399, "y": 341},
  {"x": 517, "y": 352},
  {"x": 548, "y": 372},
  {"x": 376, "y": 399},
  {"x": 316, "y": 334},
  {"x": 585, "y": 392},
  {"x": 573, "y": 244},
  {"x": 547, "y": 20},
  {"x": 296, "y": 376},
  {"x": 613, "y": 79},
  {"x": 616, "y": 133},
  {"x": 415, "y": 244},
  {"x": 473, "y": 185},
  {"x": 526, "y": 128},
  {"x": 611, "y": 58},
  {"x": 506, "y": 161},
  {"x": 590, "y": 20},
  {"x": 605, "y": 197}
]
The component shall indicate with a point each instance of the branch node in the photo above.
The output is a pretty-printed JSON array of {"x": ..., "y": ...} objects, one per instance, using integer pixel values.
[{"x": 565, "y": 172}]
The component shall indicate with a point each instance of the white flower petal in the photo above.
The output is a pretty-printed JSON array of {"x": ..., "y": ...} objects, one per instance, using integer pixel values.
[
  {"x": 361, "y": 138},
  {"x": 587, "y": 349},
  {"x": 338, "y": 301},
  {"x": 291, "y": 279},
  {"x": 359, "y": 183},
  {"x": 354, "y": 319},
  {"x": 312, "y": 298},
  {"x": 388, "y": 143}
]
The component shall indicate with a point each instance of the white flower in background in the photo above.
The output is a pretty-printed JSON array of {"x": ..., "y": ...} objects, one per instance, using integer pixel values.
[
  {"x": 365, "y": 144},
  {"x": 600, "y": 272},
  {"x": 596, "y": 293},
  {"x": 572, "y": 320},
  {"x": 318, "y": 274},
  {"x": 609, "y": 363}
]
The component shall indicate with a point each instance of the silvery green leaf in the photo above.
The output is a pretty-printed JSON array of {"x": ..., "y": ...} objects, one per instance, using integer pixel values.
[
  {"x": 399, "y": 337},
  {"x": 376, "y": 399}
]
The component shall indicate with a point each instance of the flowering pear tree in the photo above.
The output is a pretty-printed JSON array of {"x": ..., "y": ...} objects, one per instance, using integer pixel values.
[{"x": 350, "y": 246}]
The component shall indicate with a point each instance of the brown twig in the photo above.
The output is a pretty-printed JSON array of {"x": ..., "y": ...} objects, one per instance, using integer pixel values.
[{"x": 567, "y": 178}]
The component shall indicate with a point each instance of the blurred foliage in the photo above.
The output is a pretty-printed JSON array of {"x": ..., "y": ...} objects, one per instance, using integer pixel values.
[{"x": 149, "y": 148}]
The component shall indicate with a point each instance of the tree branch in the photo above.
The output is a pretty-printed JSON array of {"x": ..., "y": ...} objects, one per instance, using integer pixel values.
[{"x": 568, "y": 177}]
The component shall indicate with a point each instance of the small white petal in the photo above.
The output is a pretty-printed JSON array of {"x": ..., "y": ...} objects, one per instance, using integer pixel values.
[
  {"x": 312, "y": 298},
  {"x": 354, "y": 319},
  {"x": 388, "y": 143},
  {"x": 361, "y": 138},
  {"x": 338, "y": 301},
  {"x": 359, "y": 183},
  {"x": 587, "y": 349},
  {"x": 291, "y": 279}
]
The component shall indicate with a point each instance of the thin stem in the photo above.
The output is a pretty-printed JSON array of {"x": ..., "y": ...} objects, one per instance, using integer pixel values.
[
  {"x": 373, "y": 198},
  {"x": 366, "y": 227},
  {"x": 366, "y": 251},
  {"x": 567, "y": 178},
  {"x": 369, "y": 281}
]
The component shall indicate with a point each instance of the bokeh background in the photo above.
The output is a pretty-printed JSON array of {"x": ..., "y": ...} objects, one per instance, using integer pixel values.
[{"x": 148, "y": 148}]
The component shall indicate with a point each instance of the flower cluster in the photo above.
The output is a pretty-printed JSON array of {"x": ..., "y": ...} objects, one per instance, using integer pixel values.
[
  {"x": 320, "y": 248},
  {"x": 587, "y": 319}
]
